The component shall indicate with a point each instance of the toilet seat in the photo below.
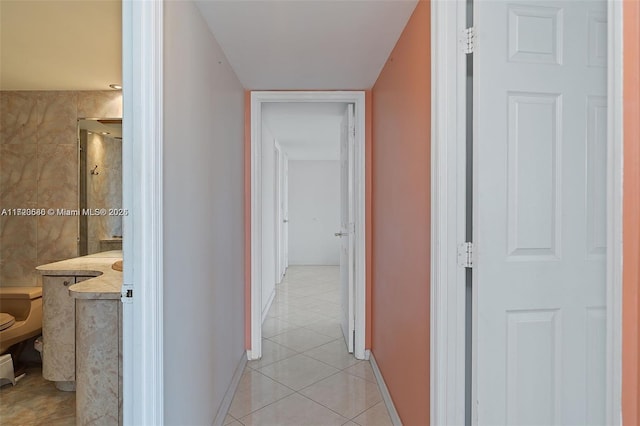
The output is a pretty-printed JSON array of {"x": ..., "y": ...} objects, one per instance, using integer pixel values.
[{"x": 6, "y": 321}]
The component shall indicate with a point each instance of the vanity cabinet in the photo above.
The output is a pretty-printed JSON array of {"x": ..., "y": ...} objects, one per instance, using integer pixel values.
[
  {"x": 82, "y": 330},
  {"x": 58, "y": 328},
  {"x": 99, "y": 342}
]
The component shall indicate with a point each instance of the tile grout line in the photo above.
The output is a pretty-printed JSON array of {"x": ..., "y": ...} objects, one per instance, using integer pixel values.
[{"x": 292, "y": 308}]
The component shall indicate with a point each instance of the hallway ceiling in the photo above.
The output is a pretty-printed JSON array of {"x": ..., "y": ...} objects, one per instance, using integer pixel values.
[
  {"x": 307, "y": 44},
  {"x": 60, "y": 45},
  {"x": 306, "y": 131}
]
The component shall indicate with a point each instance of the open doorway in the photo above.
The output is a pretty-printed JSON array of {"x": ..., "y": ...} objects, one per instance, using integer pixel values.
[{"x": 307, "y": 218}]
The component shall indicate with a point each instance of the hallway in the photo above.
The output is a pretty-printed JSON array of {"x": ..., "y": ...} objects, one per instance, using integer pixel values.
[{"x": 306, "y": 376}]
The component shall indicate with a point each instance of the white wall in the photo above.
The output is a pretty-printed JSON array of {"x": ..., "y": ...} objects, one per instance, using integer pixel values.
[
  {"x": 268, "y": 217},
  {"x": 203, "y": 219},
  {"x": 314, "y": 212}
]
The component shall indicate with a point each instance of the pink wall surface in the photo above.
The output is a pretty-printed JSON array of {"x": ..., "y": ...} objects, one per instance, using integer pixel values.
[
  {"x": 631, "y": 224},
  {"x": 401, "y": 219}
]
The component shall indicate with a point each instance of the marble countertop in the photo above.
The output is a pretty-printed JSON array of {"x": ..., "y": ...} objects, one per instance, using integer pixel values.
[{"x": 107, "y": 283}]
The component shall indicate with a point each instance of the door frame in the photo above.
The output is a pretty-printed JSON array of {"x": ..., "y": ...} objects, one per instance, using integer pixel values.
[
  {"x": 257, "y": 99},
  {"x": 277, "y": 205},
  {"x": 142, "y": 158},
  {"x": 448, "y": 118}
]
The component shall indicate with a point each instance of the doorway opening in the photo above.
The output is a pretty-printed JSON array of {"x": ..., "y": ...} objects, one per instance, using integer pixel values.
[{"x": 316, "y": 237}]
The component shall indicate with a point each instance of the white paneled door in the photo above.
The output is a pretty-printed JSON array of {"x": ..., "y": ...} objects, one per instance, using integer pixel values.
[
  {"x": 540, "y": 115},
  {"x": 347, "y": 220}
]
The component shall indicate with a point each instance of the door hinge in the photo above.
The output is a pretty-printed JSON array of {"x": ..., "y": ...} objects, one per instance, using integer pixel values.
[
  {"x": 465, "y": 255},
  {"x": 468, "y": 41},
  {"x": 127, "y": 293},
  {"x": 353, "y": 131}
]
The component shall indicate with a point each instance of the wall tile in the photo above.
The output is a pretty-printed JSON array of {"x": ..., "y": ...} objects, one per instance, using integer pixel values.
[
  {"x": 18, "y": 250},
  {"x": 57, "y": 238},
  {"x": 100, "y": 104},
  {"x": 20, "y": 117},
  {"x": 58, "y": 176},
  {"x": 39, "y": 168},
  {"x": 18, "y": 175},
  {"x": 58, "y": 117}
]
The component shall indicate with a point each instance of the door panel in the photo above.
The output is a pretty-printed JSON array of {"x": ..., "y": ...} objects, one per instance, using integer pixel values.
[
  {"x": 285, "y": 214},
  {"x": 347, "y": 243},
  {"x": 540, "y": 212}
]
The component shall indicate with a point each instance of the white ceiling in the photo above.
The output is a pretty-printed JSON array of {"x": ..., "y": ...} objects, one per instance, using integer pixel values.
[
  {"x": 60, "y": 45},
  {"x": 307, "y": 44},
  {"x": 306, "y": 131},
  {"x": 271, "y": 44}
]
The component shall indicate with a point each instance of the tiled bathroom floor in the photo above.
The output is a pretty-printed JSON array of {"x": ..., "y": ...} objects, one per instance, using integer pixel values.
[
  {"x": 36, "y": 401},
  {"x": 305, "y": 376}
]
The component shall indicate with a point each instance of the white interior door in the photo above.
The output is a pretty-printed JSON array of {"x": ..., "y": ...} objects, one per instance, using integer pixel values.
[
  {"x": 285, "y": 213},
  {"x": 540, "y": 116},
  {"x": 347, "y": 243},
  {"x": 277, "y": 207}
]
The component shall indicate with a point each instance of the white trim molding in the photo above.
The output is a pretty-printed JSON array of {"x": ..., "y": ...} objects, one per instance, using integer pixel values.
[
  {"x": 143, "y": 392},
  {"x": 257, "y": 99},
  {"x": 384, "y": 391},
  {"x": 448, "y": 186},
  {"x": 231, "y": 391},
  {"x": 614, "y": 212}
]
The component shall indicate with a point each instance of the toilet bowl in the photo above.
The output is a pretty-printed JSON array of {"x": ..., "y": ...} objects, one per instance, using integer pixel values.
[{"x": 20, "y": 315}]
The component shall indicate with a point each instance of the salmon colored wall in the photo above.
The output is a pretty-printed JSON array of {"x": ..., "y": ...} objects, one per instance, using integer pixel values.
[
  {"x": 631, "y": 212},
  {"x": 247, "y": 217},
  {"x": 401, "y": 219}
]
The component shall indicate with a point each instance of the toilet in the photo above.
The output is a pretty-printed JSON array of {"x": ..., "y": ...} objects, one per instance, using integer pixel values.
[{"x": 20, "y": 315}]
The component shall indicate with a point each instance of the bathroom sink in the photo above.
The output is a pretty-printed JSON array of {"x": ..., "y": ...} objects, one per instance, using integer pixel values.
[{"x": 117, "y": 265}]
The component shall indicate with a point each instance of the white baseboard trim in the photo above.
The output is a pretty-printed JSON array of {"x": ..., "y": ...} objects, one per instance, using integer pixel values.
[
  {"x": 265, "y": 311},
  {"x": 231, "y": 390},
  {"x": 386, "y": 396}
]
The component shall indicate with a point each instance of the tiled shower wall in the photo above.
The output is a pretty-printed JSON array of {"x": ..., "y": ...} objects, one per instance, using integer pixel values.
[
  {"x": 104, "y": 189},
  {"x": 39, "y": 169}
]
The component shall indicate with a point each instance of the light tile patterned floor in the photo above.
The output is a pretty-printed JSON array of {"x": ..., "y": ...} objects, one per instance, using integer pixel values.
[
  {"x": 36, "y": 401},
  {"x": 306, "y": 376}
]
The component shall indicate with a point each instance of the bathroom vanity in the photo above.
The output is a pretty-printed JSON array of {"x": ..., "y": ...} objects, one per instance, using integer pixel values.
[{"x": 82, "y": 333}]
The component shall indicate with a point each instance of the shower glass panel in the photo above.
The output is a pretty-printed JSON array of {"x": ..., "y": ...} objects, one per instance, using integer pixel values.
[{"x": 100, "y": 181}]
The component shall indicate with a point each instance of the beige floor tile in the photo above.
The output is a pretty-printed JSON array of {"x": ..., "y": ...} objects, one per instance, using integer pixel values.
[
  {"x": 363, "y": 370},
  {"x": 332, "y": 296},
  {"x": 328, "y": 327},
  {"x": 301, "y": 339},
  {"x": 274, "y": 326},
  {"x": 333, "y": 353},
  {"x": 344, "y": 393},
  {"x": 304, "y": 350},
  {"x": 374, "y": 416},
  {"x": 255, "y": 391},
  {"x": 282, "y": 310},
  {"x": 326, "y": 308},
  {"x": 301, "y": 318},
  {"x": 35, "y": 401},
  {"x": 294, "y": 410},
  {"x": 298, "y": 371},
  {"x": 271, "y": 352},
  {"x": 229, "y": 420}
]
